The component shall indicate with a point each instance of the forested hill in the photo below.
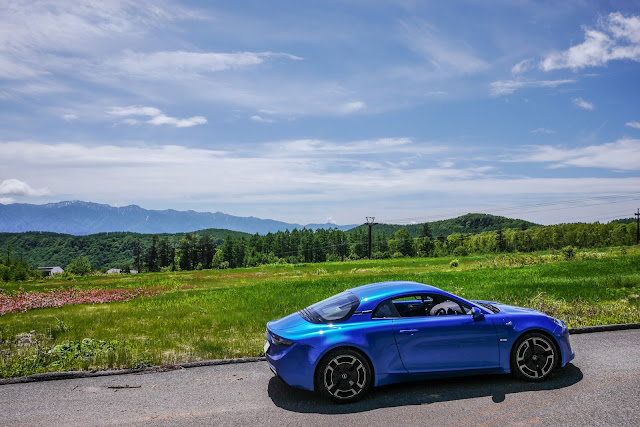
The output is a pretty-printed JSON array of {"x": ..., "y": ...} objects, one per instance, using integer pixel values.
[
  {"x": 471, "y": 223},
  {"x": 81, "y": 218},
  {"x": 111, "y": 250},
  {"x": 215, "y": 248},
  {"x": 115, "y": 249}
]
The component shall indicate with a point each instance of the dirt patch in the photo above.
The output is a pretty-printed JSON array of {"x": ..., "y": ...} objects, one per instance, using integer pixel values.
[{"x": 26, "y": 339}]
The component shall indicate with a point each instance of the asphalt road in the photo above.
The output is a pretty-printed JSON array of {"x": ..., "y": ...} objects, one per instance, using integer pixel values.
[{"x": 600, "y": 387}]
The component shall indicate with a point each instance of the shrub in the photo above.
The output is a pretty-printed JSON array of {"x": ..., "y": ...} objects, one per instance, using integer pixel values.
[
  {"x": 569, "y": 252},
  {"x": 460, "y": 251},
  {"x": 79, "y": 266},
  {"x": 454, "y": 263}
]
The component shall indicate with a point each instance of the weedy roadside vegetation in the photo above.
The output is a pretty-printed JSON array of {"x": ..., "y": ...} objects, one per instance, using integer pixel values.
[{"x": 212, "y": 314}]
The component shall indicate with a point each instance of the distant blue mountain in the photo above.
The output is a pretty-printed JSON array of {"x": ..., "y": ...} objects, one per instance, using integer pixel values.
[{"x": 82, "y": 218}]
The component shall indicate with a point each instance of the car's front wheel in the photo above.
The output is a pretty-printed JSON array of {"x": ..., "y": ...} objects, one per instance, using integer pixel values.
[
  {"x": 343, "y": 375},
  {"x": 534, "y": 356}
]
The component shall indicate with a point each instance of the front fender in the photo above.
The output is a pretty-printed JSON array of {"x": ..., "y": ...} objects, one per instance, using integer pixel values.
[{"x": 511, "y": 328}]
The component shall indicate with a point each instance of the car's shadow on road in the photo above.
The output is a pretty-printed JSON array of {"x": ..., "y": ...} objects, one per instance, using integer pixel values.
[{"x": 419, "y": 393}]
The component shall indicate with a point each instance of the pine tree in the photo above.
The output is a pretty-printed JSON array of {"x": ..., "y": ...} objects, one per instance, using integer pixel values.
[
  {"x": 152, "y": 255},
  {"x": 500, "y": 239},
  {"x": 426, "y": 231},
  {"x": 137, "y": 255}
]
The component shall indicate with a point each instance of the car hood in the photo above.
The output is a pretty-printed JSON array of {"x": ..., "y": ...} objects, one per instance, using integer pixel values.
[
  {"x": 289, "y": 324},
  {"x": 512, "y": 309}
]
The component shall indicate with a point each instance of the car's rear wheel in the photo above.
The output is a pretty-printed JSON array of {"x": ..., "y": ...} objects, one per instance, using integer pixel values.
[
  {"x": 343, "y": 375},
  {"x": 534, "y": 356}
]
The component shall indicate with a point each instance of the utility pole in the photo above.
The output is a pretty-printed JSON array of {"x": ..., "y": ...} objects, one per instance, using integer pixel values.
[
  {"x": 637, "y": 214},
  {"x": 370, "y": 222}
]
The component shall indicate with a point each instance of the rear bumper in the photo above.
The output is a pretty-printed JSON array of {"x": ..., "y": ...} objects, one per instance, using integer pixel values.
[{"x": 295, "y": 365}]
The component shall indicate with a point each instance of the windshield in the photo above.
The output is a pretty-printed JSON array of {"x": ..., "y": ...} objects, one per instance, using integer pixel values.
[
  {"x": 493, "y": 308},
  {"x": 335, "y": 309}
]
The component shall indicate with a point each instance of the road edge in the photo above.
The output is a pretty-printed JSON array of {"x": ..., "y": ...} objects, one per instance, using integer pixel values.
[
  {"x": 50, "y": 376},
  {"x": 604, "y": 328}
]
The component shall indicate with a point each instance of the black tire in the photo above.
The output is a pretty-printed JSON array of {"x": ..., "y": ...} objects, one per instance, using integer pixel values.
[
  {"x": 534, "y": 357},
  {"x": 343, "y": 375}
]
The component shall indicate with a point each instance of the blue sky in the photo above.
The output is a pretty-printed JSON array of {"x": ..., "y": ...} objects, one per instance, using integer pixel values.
[{"x": 308, "y": 112}]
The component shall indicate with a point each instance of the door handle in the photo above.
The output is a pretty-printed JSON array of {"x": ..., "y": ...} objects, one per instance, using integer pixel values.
[{"x": 408, "y": 331}]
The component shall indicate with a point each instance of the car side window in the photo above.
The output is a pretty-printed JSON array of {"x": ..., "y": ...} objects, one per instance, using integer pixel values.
[
  {"x": 420, "y": 305},
  {"x": 407, "y": 306},
  {"x": 386, "y": 310},
  {"x": 413, "y": 305},
  {"x": 446, "y": 306}
]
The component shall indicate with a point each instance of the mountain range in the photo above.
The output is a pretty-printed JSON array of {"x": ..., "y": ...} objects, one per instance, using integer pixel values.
[{"x": 81, "y": 218}]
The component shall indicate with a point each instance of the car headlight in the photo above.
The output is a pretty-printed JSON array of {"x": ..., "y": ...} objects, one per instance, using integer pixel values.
[{"x": 560, "y": 323}]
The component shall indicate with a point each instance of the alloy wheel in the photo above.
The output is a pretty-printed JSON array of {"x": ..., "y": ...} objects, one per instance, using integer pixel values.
[
  {"x": 535, "y": 357},
  {"x": 345, "y": 376}
]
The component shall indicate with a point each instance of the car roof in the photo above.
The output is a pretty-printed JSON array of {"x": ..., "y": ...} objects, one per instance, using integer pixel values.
[{"x": 370, "y": 295}]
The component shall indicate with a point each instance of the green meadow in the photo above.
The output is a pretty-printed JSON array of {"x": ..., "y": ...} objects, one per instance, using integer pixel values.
[{"x": 213, "y": 314}]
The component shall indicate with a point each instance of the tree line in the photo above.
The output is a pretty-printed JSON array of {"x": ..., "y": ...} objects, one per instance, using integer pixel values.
[
  {"x": 305, "y": 246},
  {"x": 193, "y": 251}
]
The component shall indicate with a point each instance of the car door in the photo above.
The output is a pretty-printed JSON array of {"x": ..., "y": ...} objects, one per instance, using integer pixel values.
[{"x": 446, "y": 343}]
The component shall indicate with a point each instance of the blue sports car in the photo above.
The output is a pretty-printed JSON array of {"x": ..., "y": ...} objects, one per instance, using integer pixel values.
[{"x": 390, "y": 332}]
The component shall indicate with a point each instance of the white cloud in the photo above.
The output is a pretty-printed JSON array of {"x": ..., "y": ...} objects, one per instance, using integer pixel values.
[
  {"x": 120, "y": 52},
  {"x": 351, "y": 107},
  {"x": 633, "y": 124},
  {"x": 583, "y": 104},
  {"x": 522, "y": 66},
  {"x": 259, "y": 184},
  {"x": 67, "y": 30},
  {"x": 622, "y": 155},
  {"x": 443, "y": 54},
  {"x": 15, "y": 187},
  {"x": 179, "y": 123},
  {"x": 318, "y": 148},
  {"x": 6, "y": 200},
  {"x": 506, "y": 87},
  {"x": 274, "y": 171},
  {"x": 618, "y": 38},
  {"x": 157, "y": 117},
  {"x": 135, "y": 110},
  {"x": 70, "y": 116},
  {"x": 261, "y": 119},
  {"x": 544, "y": 130},
  {"x": 182, "y": 64}
]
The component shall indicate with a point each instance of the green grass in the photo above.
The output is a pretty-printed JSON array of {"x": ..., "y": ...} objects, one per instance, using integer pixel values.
[{"x": 222, "y": 313}]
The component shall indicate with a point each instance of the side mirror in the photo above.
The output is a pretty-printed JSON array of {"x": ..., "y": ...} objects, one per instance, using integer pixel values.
[{"x": 477, "y": 314}]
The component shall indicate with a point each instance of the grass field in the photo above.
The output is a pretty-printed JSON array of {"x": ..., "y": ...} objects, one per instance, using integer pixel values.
[{"x": 222, "y": 313}]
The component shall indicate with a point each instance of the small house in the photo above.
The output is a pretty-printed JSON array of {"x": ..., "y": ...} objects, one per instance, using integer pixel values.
[{"x": 48, "y": 271}]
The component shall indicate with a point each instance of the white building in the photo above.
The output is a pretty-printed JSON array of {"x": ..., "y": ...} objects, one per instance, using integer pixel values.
[{"x": 51, "y": 270}]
